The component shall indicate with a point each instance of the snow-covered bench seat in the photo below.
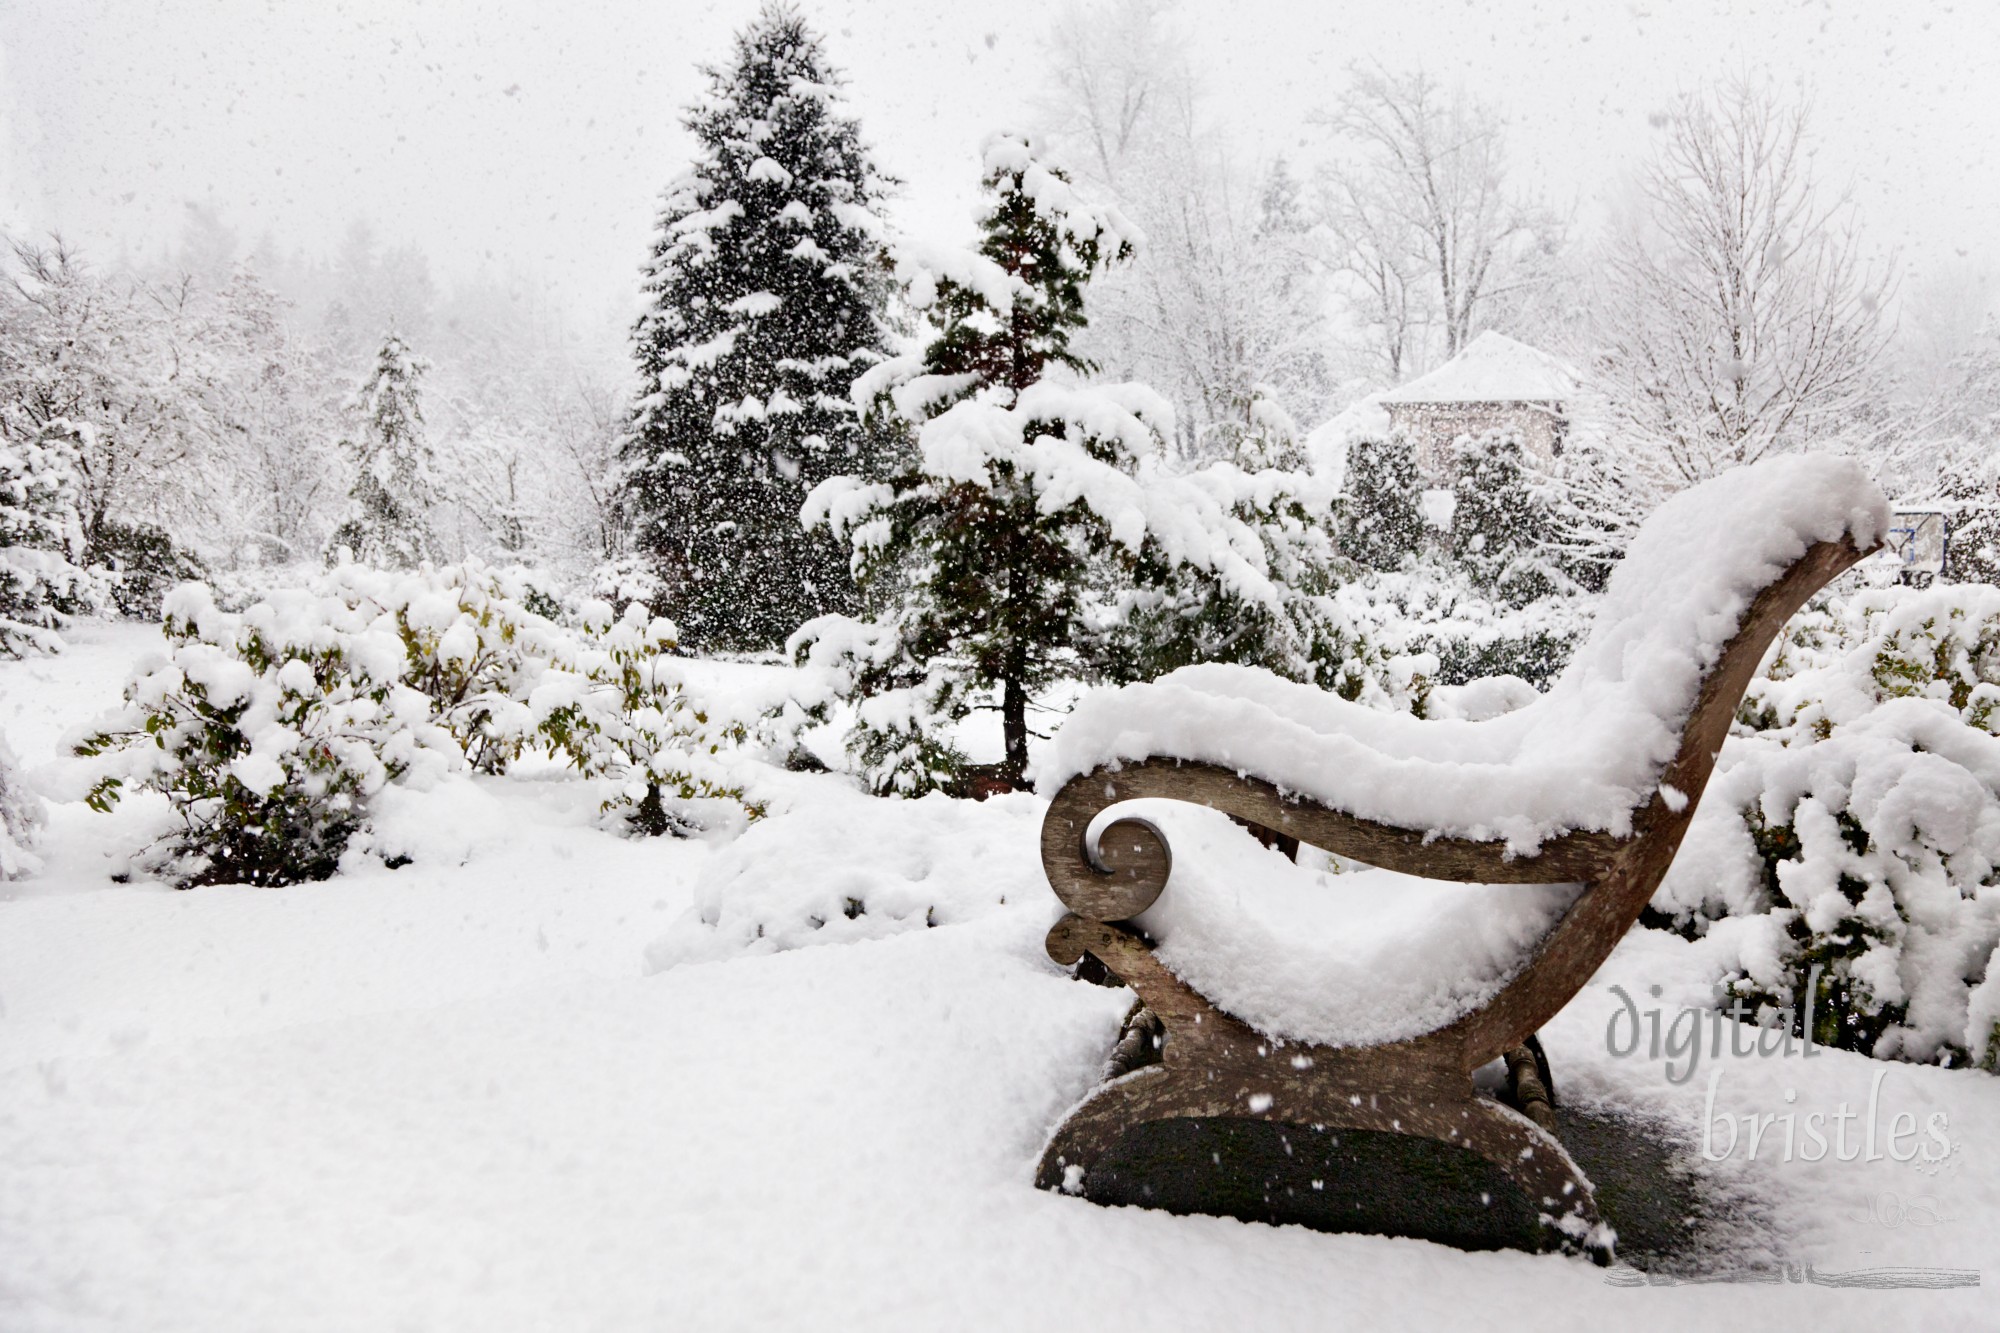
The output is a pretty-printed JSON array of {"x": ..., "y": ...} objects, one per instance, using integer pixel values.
[{"x": 1593, "y": 785}]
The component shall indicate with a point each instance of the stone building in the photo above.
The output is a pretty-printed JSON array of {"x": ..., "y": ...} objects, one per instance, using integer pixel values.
[{"x": 1493, "y": 383}]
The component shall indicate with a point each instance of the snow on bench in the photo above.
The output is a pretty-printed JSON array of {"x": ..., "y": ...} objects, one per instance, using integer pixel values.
[{"x": 1584, "y": 757}]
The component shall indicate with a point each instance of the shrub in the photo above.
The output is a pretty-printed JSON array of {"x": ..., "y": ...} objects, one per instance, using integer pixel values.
[
  {"x": 472, "y": 642},
  {"x": 906, "y": 707},
  {"x": 1487, "y": 596},
  {"x": 269, "y": 730},
  {"x": 145, "y": 565},
  {"x": 1854, "y": 824},
  {"x": 615, "y": 703},
  {"x": 1382, "y": 519},
  {"x": 1501, "y": 520},
  {"x": 1430, "y": 609},
  {"x": 1163, "y": 613},
  {"x": 1970, "y": 491},
  {"x": 42, "y": 578},
  {"x": 625, "y": 579},
  {"x": 603, "y": 692}
]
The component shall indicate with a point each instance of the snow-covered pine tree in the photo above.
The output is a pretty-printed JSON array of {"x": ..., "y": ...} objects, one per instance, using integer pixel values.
[
  {"x": 1382, "y": 509},
  {"x": 1045, "y": 529},
  {"x": 1271, "y": 439},
  {"x": 1971, "y": 496},
  {"x": 978, "y": 551},
  {"x": 389, "y": 511},
  {"x": 1500, "y": 520},
  {"x": 41, "y": 535},
  {"x": 765, "y": 304}
]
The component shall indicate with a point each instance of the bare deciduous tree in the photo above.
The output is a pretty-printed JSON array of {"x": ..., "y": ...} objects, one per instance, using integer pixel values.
[
  {"x": 1370, "y": 251},
  {"x": 1941, "y": 317},
  {"x": 133, "y": 364},
  {"x": 1223, "y": 307},
  {"x": 1737, "y": 315},
  {"x": 1420, "y": 221}
]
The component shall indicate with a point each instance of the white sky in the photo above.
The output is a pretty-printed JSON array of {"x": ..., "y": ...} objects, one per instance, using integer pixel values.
[{"x": 533, "y": 137}]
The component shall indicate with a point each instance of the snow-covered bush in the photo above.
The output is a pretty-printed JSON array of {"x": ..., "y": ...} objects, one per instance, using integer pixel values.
[
  {"x": 144, "y": 564},
  {"x": 21, "y": 819},
  {"x": 1854, "y": 825},
  {"x": 614, "y": 702},
  {"x": 1970, "y": 491},
  {"x": 626, "y": 579},
  {"x": 1501, "y": 521},
  {"x": 1288, "y": 617},
  {"x": 858, "y": 870},
  {"x": 1430, "y": 608},
  {"x": 1382, "y": 519},
  {"x": 1269, "y": 440},
  {"x": 1486, "y": 597},
  {"x": 906, "y": 704},
  {"x": 601, "y": 691},
  {"x": 267, "y": 732},
  {"x": 506, "y": 671},
  {"x": 475, "y": 640},
  {"x": 269, "y": 729},
  {"x": 41, "y": 538}
]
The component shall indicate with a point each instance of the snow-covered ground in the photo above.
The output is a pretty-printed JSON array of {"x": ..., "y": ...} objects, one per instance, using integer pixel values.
[{"x": 547, "y": 1078}]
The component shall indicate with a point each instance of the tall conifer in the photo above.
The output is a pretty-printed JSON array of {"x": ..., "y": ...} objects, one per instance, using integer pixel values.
[
  {"x": 394, "y": 490},
  {"x": 765, "y": 303}
]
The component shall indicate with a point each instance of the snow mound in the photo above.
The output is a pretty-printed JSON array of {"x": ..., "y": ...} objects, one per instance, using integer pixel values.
[
  {"x": 859, "y": 869},
  {"x": 1478, "y": 700},
  {"x": 1583, "y": 757}
]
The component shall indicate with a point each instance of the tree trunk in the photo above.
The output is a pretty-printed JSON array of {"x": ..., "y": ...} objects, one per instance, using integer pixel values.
[{"x": 1014, "y": 728}]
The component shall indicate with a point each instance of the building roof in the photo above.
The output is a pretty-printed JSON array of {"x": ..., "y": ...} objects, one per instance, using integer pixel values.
[{"x": 1492, "y": 368}]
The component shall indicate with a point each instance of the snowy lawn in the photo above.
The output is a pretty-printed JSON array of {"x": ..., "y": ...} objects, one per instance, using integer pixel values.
[{"x": 547, "y": 1078}]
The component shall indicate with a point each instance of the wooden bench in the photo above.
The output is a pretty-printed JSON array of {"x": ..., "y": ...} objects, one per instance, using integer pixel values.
[{"x": 1214, "y": 1067}]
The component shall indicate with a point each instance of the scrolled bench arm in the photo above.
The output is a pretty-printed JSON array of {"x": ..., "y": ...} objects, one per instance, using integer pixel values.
[{"x": 1114, "y": 876}]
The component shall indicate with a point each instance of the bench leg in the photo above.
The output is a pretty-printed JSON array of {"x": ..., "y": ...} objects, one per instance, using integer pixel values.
[{"x": 1527, "y": 1155}]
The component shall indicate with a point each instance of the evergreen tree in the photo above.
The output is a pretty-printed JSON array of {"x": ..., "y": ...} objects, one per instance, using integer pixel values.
[
  {"x": 1044, "y": 529},
  {"x": 1271, "y": 438},
  {"x": 41, "y": 535},
  {"x": 1499, "y": 520},
  {"x": 978, "y": 551},
  {"x": 1382, "y": 511},
  {"x": 765, "y": 304},
  {"x": 1006, "y": 318},
  {"x": 388, "y": 522},
  {"x": 1971, "y": 496},
  {"x": 1967, "y": 406}
]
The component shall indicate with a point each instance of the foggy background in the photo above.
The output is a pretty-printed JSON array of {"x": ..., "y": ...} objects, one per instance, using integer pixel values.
[{"x": 524, "y": 144}]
